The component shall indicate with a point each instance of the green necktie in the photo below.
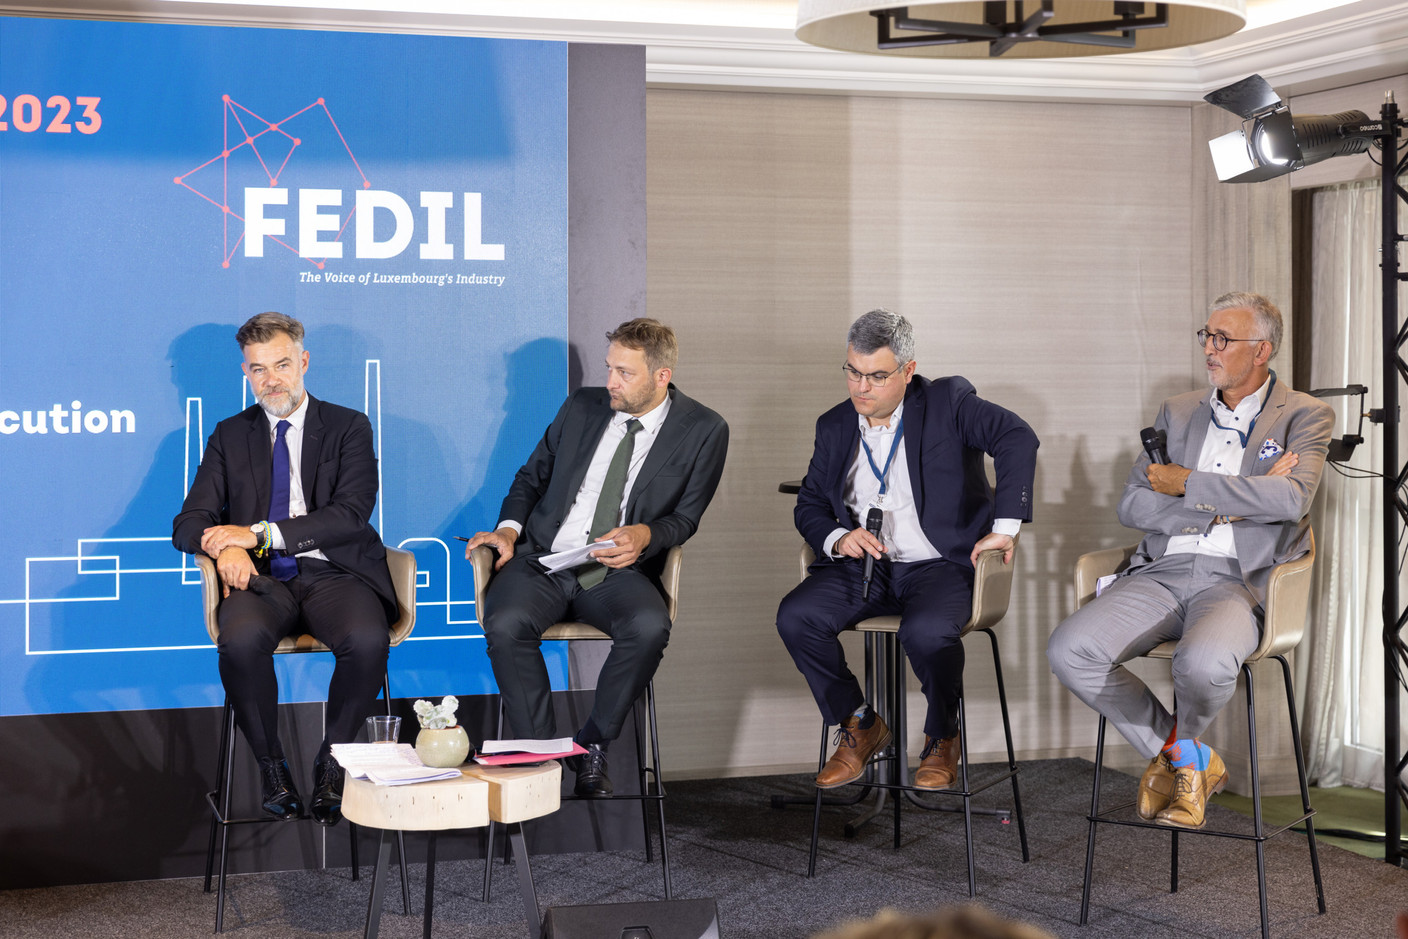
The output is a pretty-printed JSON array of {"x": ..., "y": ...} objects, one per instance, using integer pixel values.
[{"x": 608, "y": 503}]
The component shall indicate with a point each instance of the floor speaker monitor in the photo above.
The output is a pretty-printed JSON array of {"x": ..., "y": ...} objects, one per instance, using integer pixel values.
[{"x": 660, "y": 919}]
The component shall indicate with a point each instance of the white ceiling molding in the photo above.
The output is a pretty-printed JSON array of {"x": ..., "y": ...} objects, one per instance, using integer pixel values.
[{"x": 1354, "y": 42}]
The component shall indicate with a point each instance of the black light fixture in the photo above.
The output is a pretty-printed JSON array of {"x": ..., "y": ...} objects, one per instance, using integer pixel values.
[
  {"x": 1014, "y": 28},
  {"x": 1272, "y": 142}
]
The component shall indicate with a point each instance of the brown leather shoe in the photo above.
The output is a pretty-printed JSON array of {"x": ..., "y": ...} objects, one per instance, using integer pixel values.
[
  {"x": 854, "y": 748},
  {"x": 1155, "y": 787},
  {"x": 1191, "y": 790},
  {"x": 938, "y": 763}
]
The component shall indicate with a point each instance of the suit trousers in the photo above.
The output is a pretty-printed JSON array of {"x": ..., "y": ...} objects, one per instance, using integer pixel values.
[
  {"x": 523, "y": 601},
  {"x": 934, "y": 600},
  {"x": 333, "y": 607},
  {"x": 1201, "y": 603}
]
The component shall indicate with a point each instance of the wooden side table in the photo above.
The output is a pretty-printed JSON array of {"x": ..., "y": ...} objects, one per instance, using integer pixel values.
[{"x": 509, "y": 795}]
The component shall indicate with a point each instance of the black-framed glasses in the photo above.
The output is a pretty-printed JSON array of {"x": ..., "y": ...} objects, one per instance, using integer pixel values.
[
  {"x": 876, "y": 379},
  {"x": 1219, "y": 341}
]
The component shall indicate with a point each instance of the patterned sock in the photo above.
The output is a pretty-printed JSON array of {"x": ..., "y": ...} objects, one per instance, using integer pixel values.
[
  {"x": 1188, "y": 751},
  {"x": 866, "y": 715}
]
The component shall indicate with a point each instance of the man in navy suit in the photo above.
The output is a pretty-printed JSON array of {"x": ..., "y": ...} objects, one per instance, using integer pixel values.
[
  {"x": 282, "y": 502},
  {"x": 913, "y": 449},
  {"x": 634, "y": 463}
]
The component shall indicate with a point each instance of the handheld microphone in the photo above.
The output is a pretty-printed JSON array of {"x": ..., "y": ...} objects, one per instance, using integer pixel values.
[
  {"x": 873, "y": 520},
  {"x": 1155, "y": 444}
]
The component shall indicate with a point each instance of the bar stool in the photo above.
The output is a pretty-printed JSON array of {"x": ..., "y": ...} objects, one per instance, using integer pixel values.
[
  {"x": 885, "y": 683},
  {"x": 1287, "y": 598},
  {"x": 652, "y": 786},
  {"x": 402, "y": 565}
]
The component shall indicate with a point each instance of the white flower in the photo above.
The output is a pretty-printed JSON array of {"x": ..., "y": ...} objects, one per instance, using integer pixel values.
[{"x": 437, "y": 716}]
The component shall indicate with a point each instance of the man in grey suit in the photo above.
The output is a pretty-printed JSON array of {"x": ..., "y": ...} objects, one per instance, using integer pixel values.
[
  {"x": 1243, "y": 466},
  {"x": 634, "y": 464}
]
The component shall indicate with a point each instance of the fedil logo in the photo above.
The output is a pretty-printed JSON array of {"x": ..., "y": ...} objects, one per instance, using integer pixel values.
[{"x": 259, "y": 150}]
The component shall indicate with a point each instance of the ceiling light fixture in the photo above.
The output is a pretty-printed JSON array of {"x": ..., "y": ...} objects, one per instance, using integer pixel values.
[{"x": 1015, "y": 28}]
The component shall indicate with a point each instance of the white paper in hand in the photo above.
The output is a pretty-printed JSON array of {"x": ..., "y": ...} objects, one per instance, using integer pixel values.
[{"x": 573, "y": 557}]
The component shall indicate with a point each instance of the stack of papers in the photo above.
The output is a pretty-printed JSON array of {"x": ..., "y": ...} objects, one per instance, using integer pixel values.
[
  {"x": 387, "y": 764},
  {"x": 513, "y": 752},
  {"x": 573, "y": 557}
]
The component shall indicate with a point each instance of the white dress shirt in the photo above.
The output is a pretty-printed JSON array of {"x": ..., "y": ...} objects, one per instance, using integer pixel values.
[
  {"x": 901, "y": 531},
  {"x": 1222, "y": 453},
  {"x": 293, "y": 437},
  {"x": 576, "y": 526}
]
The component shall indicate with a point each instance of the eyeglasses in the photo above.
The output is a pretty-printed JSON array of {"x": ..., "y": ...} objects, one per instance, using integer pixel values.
[
  {"x": 876, "y": 379},
  {"x": 1219, "y": 341}
]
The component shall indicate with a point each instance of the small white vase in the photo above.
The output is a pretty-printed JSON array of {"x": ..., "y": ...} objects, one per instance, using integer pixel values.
[{"x": 442, "y": 746}]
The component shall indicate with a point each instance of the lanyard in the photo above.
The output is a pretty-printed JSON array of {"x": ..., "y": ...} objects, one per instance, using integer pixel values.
[
  {"x": 883, "y": 474},
  {"x": 1244, "y": 437}
]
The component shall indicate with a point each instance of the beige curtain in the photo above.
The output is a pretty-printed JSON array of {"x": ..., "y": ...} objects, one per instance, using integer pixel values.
[{"x": 1340, "y": 665}]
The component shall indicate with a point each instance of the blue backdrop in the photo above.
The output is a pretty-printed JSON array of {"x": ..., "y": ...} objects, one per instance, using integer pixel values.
[{"x": 404, "y": 196}]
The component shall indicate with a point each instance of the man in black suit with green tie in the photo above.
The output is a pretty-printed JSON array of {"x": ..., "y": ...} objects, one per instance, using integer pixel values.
[{"x": 634, "y": 463}]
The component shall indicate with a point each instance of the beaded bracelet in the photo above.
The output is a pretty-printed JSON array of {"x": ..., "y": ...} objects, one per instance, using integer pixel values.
[{"x": 266, "y": 538}]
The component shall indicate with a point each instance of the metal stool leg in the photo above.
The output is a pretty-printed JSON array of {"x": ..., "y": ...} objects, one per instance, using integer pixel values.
[
  {"x": 816, "y": 809},
  {"x": 1304, "y": 785},
  {"x": 429, "y": 885},
  {"x": 1094, "y": 814},
  {"x": 1011, "y": 752},
  {"x": 638, "y": 715},
  {"x": 967, "y": 795},
  {"x": 383, "y": 859},
  {"x": 1258, "y": 824},
  {"x": 525, "y": 881},
  {"x": 224, "y": 824},
  {"x": 227, "y": 713},
  {"x": 659, "y": 787}
]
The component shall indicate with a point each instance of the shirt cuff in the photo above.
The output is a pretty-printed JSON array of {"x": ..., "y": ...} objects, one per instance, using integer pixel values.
[
  {"x": 276, "y": 537},
  {"x": 505, "y": 523},
  {"x": 830, "y": 542},
  {"x": 1011, "y": 527}
]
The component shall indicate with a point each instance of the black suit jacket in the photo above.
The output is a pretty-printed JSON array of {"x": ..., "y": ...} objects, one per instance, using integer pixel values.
[
  {"x": 947, "y": 429},
  {"x": 339, "y": 476},
  {"x": 670, "y": 493}
]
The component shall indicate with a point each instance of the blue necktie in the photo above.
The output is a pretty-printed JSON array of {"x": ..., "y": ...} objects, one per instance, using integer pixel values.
[{"x": 281, "y": 565}]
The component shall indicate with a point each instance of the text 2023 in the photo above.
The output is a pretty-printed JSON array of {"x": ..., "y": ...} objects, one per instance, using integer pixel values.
[{"x": 27, "y": 114}]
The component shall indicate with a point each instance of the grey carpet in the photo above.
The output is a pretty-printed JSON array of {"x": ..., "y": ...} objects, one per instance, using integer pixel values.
[{"x": 728, "y": 844}]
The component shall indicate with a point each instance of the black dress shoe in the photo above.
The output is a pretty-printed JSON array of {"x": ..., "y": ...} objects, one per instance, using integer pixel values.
[
  {"x": 327, "y": 792},
  {"x": 279, "y": 796},
  {"x": 592, "y": 781}
]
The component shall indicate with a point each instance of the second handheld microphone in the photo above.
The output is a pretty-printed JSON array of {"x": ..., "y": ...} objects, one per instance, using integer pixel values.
[
  {"x": 874, "y": 519},
  {"x": 1155, "y": 444}
]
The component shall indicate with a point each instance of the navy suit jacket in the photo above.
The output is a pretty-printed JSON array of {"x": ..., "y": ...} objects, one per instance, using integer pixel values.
[
  {"x": 670, "y": 493},
  {"x": 947, "y": 429},
  {"x": 339, "y": 477}
]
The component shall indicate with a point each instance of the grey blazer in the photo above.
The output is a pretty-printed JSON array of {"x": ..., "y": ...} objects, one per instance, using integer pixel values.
[{"x": 1273, "y": 526}]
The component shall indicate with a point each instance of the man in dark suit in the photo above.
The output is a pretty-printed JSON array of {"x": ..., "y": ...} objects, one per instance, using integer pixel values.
[
  {"x": 292, "y": 481},
  {"x": 635, "y": 464},
  {"x": 1229, "y": 504},
  {"x": 913, "y": 449}
]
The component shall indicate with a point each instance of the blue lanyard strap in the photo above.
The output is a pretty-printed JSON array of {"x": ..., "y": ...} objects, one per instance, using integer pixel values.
[
  {"x": 1244, "y": 437},
  {"x": 883, "y": 474}
]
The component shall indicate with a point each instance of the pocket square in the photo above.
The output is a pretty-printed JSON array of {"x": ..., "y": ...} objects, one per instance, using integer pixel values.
[{"x": 1269, "y": 450}]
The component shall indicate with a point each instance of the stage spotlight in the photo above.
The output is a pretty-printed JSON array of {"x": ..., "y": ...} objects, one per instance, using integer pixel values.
[{"x": 1271, "y": 142}]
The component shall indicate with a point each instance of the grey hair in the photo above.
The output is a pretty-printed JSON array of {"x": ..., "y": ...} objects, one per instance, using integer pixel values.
[
  {"x": 880, "y": 329},
  {"x": 263, "y": 327},
  {"x": 1264, "y": 314}
]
